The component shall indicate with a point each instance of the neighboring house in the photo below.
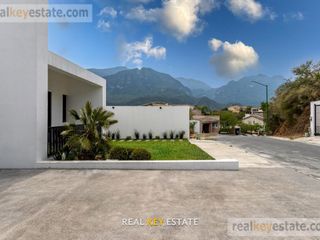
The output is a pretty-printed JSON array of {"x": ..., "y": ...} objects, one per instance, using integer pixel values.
[
  {"x": 253, "y": 119},
  {"x": 257, "y": 111},
  {"x": 315, "y": 118},
  {"x": 236, "y": 108},
  {"x": 205, "y": 124}
]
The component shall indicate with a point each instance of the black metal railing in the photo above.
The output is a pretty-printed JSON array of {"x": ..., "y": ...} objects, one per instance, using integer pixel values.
[{"x": 56, "y": 141}]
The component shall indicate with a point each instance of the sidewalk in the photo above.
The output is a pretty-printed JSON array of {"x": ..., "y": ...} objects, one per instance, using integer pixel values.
[
  {"x": 308, "y": 140},
  {"x": 246, "y": 159}
]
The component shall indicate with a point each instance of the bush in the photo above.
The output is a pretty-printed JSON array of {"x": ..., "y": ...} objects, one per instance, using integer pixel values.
[
  {"x": 150, "y": 135},
  {"x": 128, "y": 138},
  {"x": 181, "y": 134},
  {"x": 177, "y": 136},
  {"x": 165, "y": 135},
  {"x": 157, "y": 137},
  {"x": 136, "y": 135},
  {"x": 144, "y": 136},
  {"x": 113, "y": 136},
  {"x": 120, "y": 153},
  {"x": 118, "y": 135},
  {"x": 108, "y": 134},
  {"x": 140, "y": 154},
  {"x": 171, "y": 134}
]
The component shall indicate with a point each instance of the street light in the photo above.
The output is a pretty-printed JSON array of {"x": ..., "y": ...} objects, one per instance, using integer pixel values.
[{"x": 267, "y": 103}]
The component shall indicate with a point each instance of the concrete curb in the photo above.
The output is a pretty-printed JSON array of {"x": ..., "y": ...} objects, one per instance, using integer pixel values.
[{"x": 225, "y": 164}]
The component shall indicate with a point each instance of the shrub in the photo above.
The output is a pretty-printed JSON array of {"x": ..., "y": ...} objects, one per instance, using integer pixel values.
[
  {"x": 157, "y": 137},
  {"x": 118, "y": 135},
  {"x": 113, "y": 136},
  {"x": 144, "y": 136},
  {"x": 136, "y": 135},
  {"x": 150, "y": 135},
  {"x": 108, "y": 134},
  {"x": 120, "y": 153},
  {"x": 86, "y": 141},
  {"x": 165, "y": 135},
  {"x": 140, "y": 154},
  {"x": 177, "y": 136},
  {"x": 181, "y": 134},
  {"x": 171, "y": 134},
  {"x": 128, "y": 138}
]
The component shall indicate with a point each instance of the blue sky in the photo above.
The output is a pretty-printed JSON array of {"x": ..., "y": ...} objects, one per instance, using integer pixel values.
[{"x": 211, "y": 40}]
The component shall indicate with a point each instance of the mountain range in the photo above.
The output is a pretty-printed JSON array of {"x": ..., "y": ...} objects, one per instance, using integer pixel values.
[{"x": 141, "y": 86}]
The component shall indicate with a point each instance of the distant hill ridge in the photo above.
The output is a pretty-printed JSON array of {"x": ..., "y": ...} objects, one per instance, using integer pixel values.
[{"x": 139, "y": 86}]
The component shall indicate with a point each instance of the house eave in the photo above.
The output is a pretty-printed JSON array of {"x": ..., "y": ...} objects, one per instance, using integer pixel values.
[{"x": 60, "y": 64}]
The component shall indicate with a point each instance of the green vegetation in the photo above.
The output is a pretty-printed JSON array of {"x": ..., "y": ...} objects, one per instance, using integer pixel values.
[
  {"x": 290, "y": 108},
  {"x": 167, "y": 150},
  {"x": 88, "y": 142}
]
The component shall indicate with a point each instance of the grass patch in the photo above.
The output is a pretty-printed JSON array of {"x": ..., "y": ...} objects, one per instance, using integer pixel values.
[{"x": 167, "y": 150}]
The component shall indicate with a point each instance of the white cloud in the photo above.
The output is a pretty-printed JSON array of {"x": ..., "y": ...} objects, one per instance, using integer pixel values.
[
  {"x": 181, "y": 18},
  {"x": 233, "y": 58},
  {"x": 108, "y": 12},
  {"x": 144, "y": 15},
  {"x": 215, "y": 44},
  {"x": 250, "y": 9},
  {"x": 298, "y": 16},
  {"x": 135, "y": 52},
  {"x": 104, "y": 25}
]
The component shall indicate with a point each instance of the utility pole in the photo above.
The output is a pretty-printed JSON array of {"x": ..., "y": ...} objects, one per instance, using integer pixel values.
[{"x": 267, "y": 104}]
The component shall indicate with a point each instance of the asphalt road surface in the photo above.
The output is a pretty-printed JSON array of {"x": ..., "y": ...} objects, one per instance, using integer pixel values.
[{"x": 303, "y": 158}]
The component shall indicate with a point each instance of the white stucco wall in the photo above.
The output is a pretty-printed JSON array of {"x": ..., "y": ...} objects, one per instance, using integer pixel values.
[
  {"x": 196, "y": 126},
  {"x": 23, "y": 92},
  {"x": 313, "y": 118},
  {"x": 145, "y": 118},
  {"x": 78, "y": 93}
]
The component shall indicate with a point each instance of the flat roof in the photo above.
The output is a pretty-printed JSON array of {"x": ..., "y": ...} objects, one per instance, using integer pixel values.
[{"x": 61, "y": 64}]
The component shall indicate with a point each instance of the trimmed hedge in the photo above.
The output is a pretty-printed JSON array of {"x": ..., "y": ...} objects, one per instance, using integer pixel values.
[
  {"x": 122, "y": 153},
  {"x": 140, "y": 154}
]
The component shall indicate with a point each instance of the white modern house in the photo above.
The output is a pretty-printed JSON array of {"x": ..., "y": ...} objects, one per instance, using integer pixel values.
[
  {"x": 315, "y": 118},
  {"x": 38, "y": 88}
]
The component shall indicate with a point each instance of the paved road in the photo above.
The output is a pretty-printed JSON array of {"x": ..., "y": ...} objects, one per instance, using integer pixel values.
[
  {"x": 304, "y": 158},
  {"x": 90, "y": 204}
]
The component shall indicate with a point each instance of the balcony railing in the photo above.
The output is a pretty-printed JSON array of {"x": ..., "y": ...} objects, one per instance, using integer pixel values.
[{"x": 56, "y": 141}]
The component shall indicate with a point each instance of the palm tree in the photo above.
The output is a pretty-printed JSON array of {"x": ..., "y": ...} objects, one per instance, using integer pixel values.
[{"x": 87, "y": 141}]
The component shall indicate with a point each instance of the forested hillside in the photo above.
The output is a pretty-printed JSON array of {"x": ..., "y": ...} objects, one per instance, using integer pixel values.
[{"x": 290, "y": 108}]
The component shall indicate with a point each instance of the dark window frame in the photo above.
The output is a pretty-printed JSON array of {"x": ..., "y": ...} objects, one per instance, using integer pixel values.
[
  {"x": 49, "y": 109},
  {"x": 64, "y": 108}
]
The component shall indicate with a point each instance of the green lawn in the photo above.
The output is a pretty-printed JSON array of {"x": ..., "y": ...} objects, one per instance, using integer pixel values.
[{"x": 167, "y": 150}]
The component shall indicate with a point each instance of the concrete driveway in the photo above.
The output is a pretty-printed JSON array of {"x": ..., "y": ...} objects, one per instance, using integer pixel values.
[{"x": 90, "y": 204}]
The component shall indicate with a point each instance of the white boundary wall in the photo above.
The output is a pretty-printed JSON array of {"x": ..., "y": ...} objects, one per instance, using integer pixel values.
[
  {"x": 158, "y": 119},
  {"x": 313, "y": 117}
]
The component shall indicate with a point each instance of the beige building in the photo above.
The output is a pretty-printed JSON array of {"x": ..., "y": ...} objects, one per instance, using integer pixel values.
[
  {"x": 205, "y": 124},
  {"x": 253, "y": 119},
  {"x": 236, "y": 108}
]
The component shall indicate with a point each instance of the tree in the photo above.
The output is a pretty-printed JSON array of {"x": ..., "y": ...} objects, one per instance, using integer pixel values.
[
  {"x": 228, "y": 119},
  {"x": 293, "y": 97},
  {"x": 88, "y": 142}
]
